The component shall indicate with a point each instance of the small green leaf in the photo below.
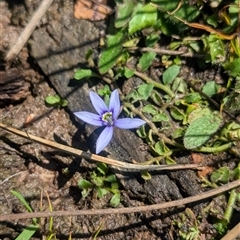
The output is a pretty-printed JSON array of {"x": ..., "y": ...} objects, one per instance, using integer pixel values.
[
  {"x": 98, "y": 181},
  {"x": 236, "y": 172},
  {"x": 217, "y": 48},
  {"x": 212, "y": 20},
  {"x": 146, "y": 60},
  {"x": 169, "y": 160},
  {"x": 64, "y": 103},
  {"x": 150, "y": 109},
  {"x": 155, "y": 96},
  {"x": 159, "y": 117},
  {"x": 160, "y": 148},
  {"x": 145, "y": 90},
  {"x": 104, "y": 91},
  {"x": 115, "y": 185},
  {"x": 175, "y": 44},
  {"x": 221, "y": 227},
  {"x": 192, "y": 98},
  {"x": 177, "y": 113},
  {"x": 131, "y": 42},
  {"x": 52, "y": 100},
  {"x": 151, "y": 40},
  {"x": 115, "y": 200},
  {"x": 110, "y": 178},
  {"x": 210, "y": 88},
  {"x": 144, "y": 16},
  {"x": 133, "y": 95},
  {"x": 85, "y": 192},
  {"x": 83, "y": 73},
  {"x": 170, "y": 74},
  {"x": 221, "y": 175},
  {"x": 101, "y": 192},
  {"x": 124, "y": 13},
  {"x": 84, "y": 184},
  {"x": 177, "y": 133},
  {"x": 102, "y": 168},
  {"x": 200, "y": 130},
  {"x": 146, "y": 175},
  {"x": 111, "y": 53},
  {"x": 233, "y": 68},
  {"x": 179, "y": 85},
  {"x": 166, "y": 5},
  {"x": 141, "y": 132},
  {"x": 89, "y": 54},
  {"x": 128, "y": 72}
]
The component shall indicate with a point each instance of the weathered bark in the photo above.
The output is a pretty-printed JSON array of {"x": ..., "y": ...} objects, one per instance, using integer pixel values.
[{"x": 13, "y": 86}]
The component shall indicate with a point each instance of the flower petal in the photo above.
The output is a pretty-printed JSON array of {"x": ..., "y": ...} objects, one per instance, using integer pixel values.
[
  {"x": 98, "y": 103},
  {"x": 128, "y": 123},
  {"x": 90, "y": 118},
  {"x": 114, "y": 104},
  {"x": 104, "y": 139}
]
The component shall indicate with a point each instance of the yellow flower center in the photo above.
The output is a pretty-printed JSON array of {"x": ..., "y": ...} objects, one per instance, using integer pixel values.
[{"x": 107, "y": 117}]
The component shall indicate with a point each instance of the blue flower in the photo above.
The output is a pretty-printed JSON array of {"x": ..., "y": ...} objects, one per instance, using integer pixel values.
[{"x": 107, "y": 116}]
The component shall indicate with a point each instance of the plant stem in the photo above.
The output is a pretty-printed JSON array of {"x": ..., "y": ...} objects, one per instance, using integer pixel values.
[
  {"x": 153, "y": 127},
  {"x": 156, "y": 84},
  {"x": 231, "y": 202},
  {"x": 221, "y": 148}
]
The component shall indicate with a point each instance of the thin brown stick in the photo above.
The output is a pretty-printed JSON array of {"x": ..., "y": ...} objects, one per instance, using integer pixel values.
[
  {"x": 23, "y": 38},
  {"x": 97, "y": 158},
  {"x": 180, "y": 202}
]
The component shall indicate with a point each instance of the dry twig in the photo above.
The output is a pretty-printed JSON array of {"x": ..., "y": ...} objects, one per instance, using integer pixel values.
[
  {"x": 97, "y": 158},
  {"x": 23, "y": 38},
  {"x": 180, "y": 202}
]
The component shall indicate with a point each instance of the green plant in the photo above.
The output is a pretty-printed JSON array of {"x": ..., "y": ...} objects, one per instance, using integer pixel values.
[
  {"x": 103, "y": 183},
  {"x": 188, "y": 226},
  {"x": 29, "y": 231},
  {"x": 140, "y": 26},
  {"x": 221, "y": 213},
  {"x": 56, "y": 101}
]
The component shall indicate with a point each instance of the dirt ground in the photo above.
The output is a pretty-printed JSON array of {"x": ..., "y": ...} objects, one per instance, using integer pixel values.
[{"x": 35, "y": 170}]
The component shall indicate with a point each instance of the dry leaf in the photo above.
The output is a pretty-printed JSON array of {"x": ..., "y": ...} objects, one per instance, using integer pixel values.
[{"x": 94, "y": 10}]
